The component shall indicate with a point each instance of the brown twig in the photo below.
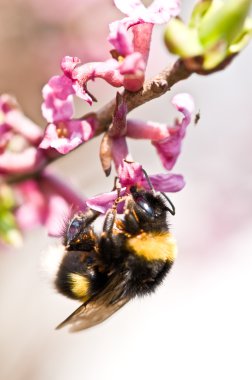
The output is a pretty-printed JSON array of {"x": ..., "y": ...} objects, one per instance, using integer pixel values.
[{"x": 152, "y": 89}]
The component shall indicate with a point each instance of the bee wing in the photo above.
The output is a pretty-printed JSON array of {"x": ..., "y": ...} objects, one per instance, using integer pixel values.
[
  {"x": 91, "y": 314},
  {"x": 98, "y": 308}
]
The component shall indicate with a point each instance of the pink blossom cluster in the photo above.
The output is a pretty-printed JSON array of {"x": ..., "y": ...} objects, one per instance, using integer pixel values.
[
  {"x": 39, "y": 197},
  {"x": 166, "y": 139},
  {"x": 25, "y": 150}
]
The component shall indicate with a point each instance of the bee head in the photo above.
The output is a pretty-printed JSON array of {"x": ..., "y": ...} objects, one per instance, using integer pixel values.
[
  {"x": 78, "y": 234},
  {"x": 149, "y": 207}
]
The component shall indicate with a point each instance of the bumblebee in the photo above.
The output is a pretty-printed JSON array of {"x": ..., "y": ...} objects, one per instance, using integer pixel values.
[{"x": 130, "y": 257}]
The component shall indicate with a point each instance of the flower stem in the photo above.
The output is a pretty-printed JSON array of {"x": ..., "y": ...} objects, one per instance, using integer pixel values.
[{"x": 152, "y": 89}]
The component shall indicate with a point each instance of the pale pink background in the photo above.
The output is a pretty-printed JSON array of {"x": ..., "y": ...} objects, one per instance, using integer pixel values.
[{"x": 198, "y": 324}]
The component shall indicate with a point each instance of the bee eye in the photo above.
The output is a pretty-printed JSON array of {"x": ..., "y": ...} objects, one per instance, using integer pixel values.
[
  {"x": 141, "y": 201},
  {"x": 73, "y": 229}
]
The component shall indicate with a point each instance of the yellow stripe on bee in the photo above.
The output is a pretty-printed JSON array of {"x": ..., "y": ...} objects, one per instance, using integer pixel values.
[
  {"x": 154, "y": 246},
  {"x": 79, "y": 285}
]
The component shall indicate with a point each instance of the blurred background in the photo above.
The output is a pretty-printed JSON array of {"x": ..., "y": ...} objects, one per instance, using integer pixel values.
[{"x": 198, "y": 324}]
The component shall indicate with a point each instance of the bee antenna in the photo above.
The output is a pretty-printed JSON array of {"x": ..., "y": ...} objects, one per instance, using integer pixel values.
[
  {"x": 148, "y": 180},
  {"x": 172, "y": 209}
]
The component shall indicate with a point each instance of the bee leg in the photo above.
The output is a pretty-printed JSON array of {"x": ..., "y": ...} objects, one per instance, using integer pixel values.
[
  {"x": 116, "y": 184},
  {"x": 111, "y": 213},
  {"x": 131, "y": 223},
  {"x": 89, "y": 217},
  {"x": 107, "y": 244},
  {"x": 109, "y": 221}
]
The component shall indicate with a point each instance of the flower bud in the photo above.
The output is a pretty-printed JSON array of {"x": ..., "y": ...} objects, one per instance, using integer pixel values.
[
  {"x": 217, "y": 30},
  {"x": 223, "y": 21},
  {"x": 9, "y": 233},
  {"x": 182, "y": 40}
]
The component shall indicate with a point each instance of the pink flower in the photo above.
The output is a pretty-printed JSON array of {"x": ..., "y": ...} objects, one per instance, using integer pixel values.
[
  {"x": 81, "y": 74},
  {"x": 33, "y": 210},
  {"x": 19, "y": 138},
  {"x": 58, "y": 92},
  {"x": 104, "y": 201},
  {"x": 114, "y": 145},
  {"x": 169, "y": 148},
  {"x": 131, "y": 174},
  {"x": 120, "y": 39},
  {"x": 159, "y": 12},
  {"x": 131, "y": 62},
  {"x": 165, "y": 182},
  {"x": 133, "y": 70},
  {"x": 126, "y": 68},
  {"x": 27, "y": 161},
  {"x": 63, "y": 133},
  {"x": 58, "y": 102},
  {"x": 46, "y": 202},
  {"x": 140, "y": 21},
  {"x": 166, "y": 139},
  {"x": 68, "y": 64},
  {"x": 128, "y": 73},
  {"x": 64, "y": 136},
  {"x": 14, "y": 122},
  {"x": 119, "y": 123}
]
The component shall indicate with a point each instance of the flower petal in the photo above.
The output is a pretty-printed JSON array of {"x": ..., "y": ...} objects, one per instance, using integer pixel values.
[
  {"x": 12, "y": 119},
  {"x": 166, "y": 182},
  {"x": 66, "y": 136},
  {"x": 150, "y": 130},
  {"x": 68, "y": 64},
  {"x": 55, "y": 109},
  {"x": 169, "y": 148},
  {"x": 61, "y": 86},
  {"x": 52, "y": 184},
  {"x": 24, "y": 126},
  {"x": 48, "y": 202},
  {"x": 159, "y": 12},
  {"x": 142, "y": 39},
  {"x": 133, "y": 69},
  {"x": 27, "y": 161},
  {"x": 130, "y": 173},
  {"x": 107, "y": 70},
  {"x": 33, "y": 210},
  {"x": 120, "y": 38},
  {"x": 119, "y": 151},
  {"x": 104, "y": 201},
  {"x": 58, "y": 102},
  {"x": 185, "y": 104},
  {"x": 129, "y": 6},
  {"x": 58, "y": 211},
  {"x": 119, "y": 124}
]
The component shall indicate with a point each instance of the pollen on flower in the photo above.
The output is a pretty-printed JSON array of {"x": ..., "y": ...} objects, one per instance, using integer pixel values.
[{"x": 62, "y": 131}]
